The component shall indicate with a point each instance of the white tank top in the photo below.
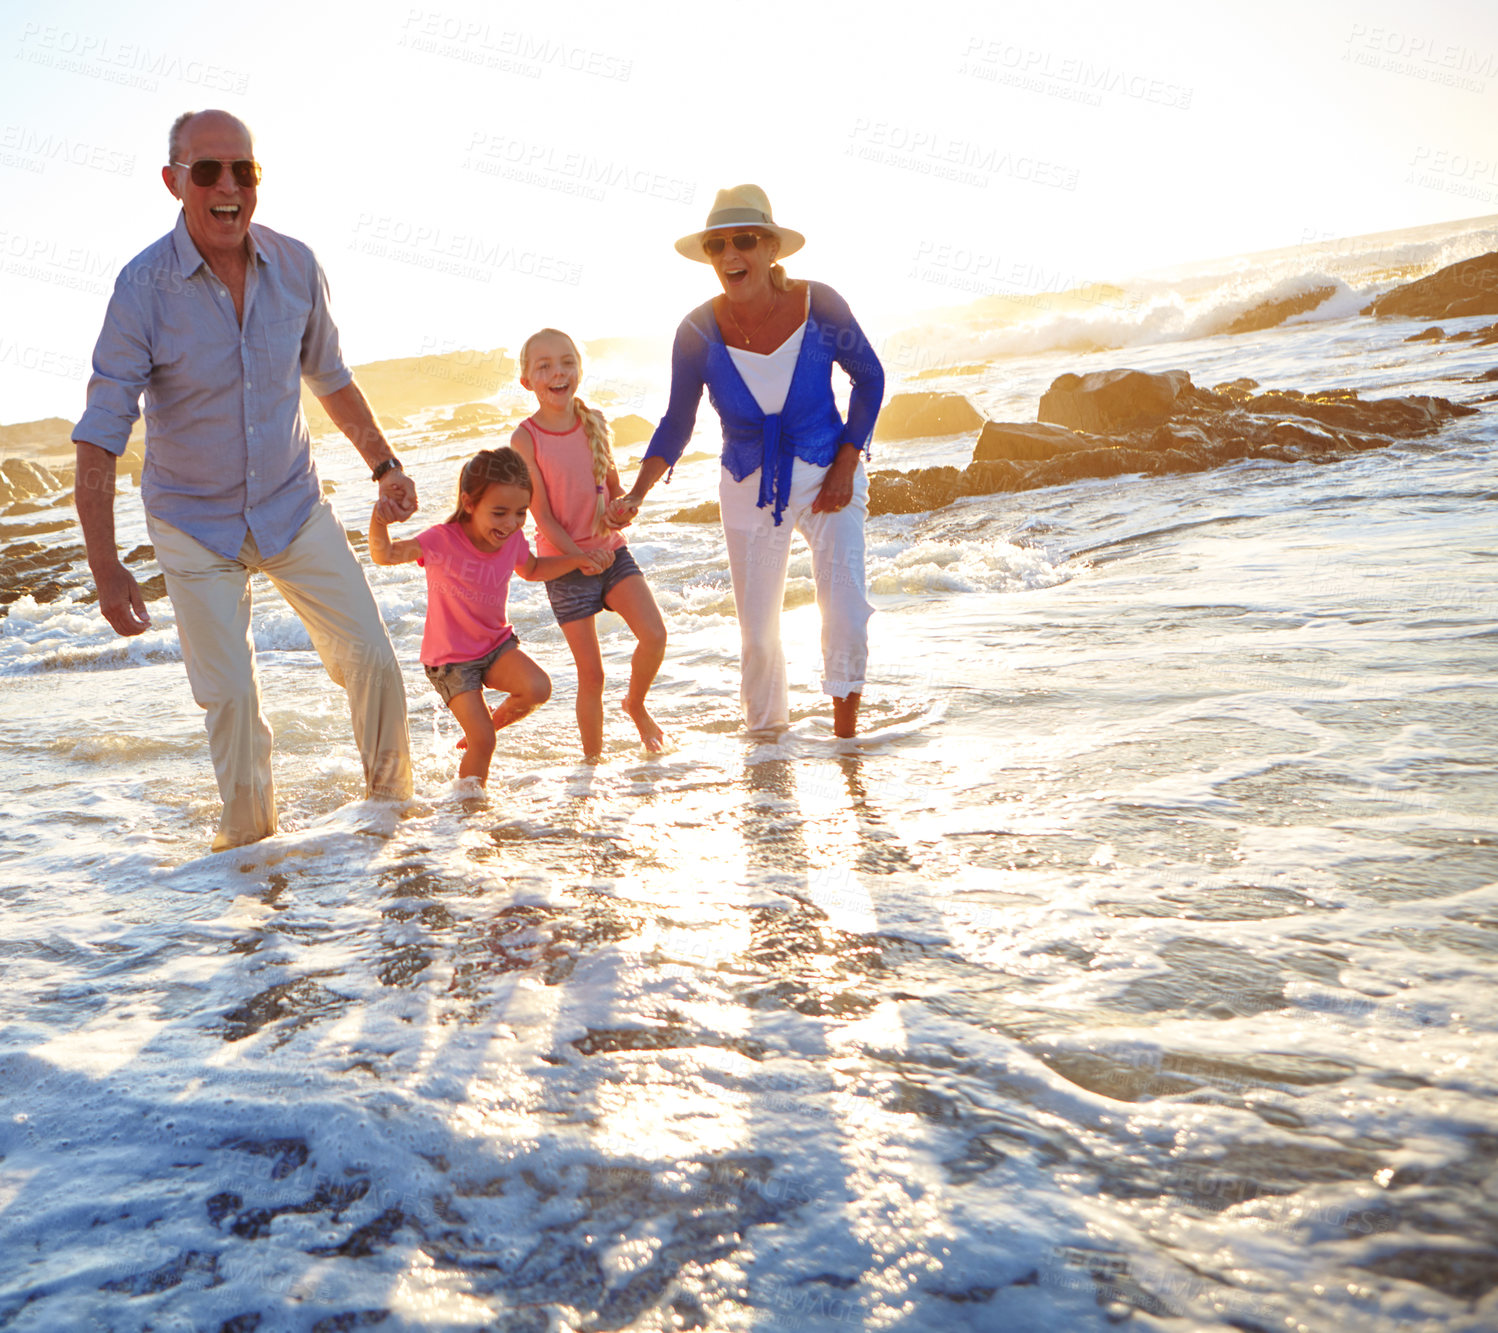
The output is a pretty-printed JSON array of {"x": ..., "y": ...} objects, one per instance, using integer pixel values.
[{"x": 767, "y": 375}]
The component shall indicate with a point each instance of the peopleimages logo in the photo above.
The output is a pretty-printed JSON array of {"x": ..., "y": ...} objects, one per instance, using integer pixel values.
[
  {"x": 473, "y": 42},
  {"x": 1422, "y": 56},
  {"x": 930, "y": 152},
  {"x": 32, "y": 145},
  {"x": 129, "y": 64},
  {"x": 45, "y": 259},
  {"x": 1071, "y": 78},
  {"x": 1461, "y": 174},
  {"x": 457, "y": 254},
  {"x": 570, "y": 171},
  {"x": 41, "y": 360}
]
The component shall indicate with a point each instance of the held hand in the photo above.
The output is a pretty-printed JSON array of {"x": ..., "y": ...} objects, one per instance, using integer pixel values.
[
  {"x": 601, "y": 556},
  {"x": 589, "y": 567},
  {"x": 621, "y": 511},
  {"x": 120, "y": 601},
  {"x": 837, "y": 486},
  {"x": 397, "y": 496},
  {"x": 385, "y": 511}
]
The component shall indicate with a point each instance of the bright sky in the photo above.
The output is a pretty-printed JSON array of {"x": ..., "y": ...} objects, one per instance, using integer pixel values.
[{"x": 467, "y": 172}]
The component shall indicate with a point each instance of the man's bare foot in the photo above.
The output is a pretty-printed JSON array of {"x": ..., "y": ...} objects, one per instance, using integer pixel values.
[
  {"x": 651, "y": 736},
  {"x": 845, "y": 715}
]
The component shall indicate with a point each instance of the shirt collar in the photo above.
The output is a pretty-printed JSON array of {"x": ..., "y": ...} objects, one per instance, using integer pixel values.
[{"x": 190, "y": 259}]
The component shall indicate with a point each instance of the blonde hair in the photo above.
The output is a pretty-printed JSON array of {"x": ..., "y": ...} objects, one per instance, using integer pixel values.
[
  {"x": 778, "y": 278},
  {"x": 595, "y": 427}
]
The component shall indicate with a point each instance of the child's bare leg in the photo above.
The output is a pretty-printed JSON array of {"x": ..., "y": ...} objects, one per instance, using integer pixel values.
[
  {"x": 526, "y": 687},
  {"x": 632, "y": 599},
  {"x": 478, "y": 734},
  {"x": 845, "y": 715},
  {"x": 582, "y": 638}
]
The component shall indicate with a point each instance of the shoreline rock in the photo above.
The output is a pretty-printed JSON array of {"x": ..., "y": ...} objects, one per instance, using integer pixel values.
[
  {"x": 1203, "y": 429},
  {"x": 630, "y": 430},
  {"x": 1109, "y": 401},
  {"x": 21, "y": 479},
  {"x": 1467, "y": 288},
  {"x": 1271, "y": 314},
  {"x": 44, "y": 573},
  {"x": 404, "y": 385},
  {"x": 911, "y": 416}
]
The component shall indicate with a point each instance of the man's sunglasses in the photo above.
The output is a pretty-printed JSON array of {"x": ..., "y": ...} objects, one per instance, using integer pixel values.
[
  {"x": 206, "y": 171},
  {"x": 745, "y": 240}
]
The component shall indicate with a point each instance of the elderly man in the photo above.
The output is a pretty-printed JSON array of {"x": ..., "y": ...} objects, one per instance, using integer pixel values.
[{"x": 217, "y": 324}]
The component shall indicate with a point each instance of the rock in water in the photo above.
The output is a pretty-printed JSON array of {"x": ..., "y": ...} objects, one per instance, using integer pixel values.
[
  {"x": 915, "y": 492},
  {"x": 20, "y": 479},
  {"x": 1268, "y": 314},
  {"x": 414, "y": 383},
  {"x": 1467, "y": 288},
  {"x": 1024, "y": 442},
  {"x": 908, "y": 416},
  {"x": 1109, "y": 401},
  {"x": 630, "y": 429},
  {"x": 1173, "y": 426},
  {"x": 475, "y": 414}
]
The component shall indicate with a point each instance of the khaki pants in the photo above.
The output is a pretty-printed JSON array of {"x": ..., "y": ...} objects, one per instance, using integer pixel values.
[{"x": 321, "y": 580}]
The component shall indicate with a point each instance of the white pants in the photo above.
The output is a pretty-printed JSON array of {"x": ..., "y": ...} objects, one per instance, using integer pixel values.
[
  {"x": 758, "y": 557},
  {"x": 321, "y": 580}
]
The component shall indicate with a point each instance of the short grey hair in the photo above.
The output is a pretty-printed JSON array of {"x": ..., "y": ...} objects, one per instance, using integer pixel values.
[{"x": 174, "y": 137}]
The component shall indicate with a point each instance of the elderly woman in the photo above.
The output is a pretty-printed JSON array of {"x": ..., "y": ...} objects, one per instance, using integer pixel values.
[{"x": 764, "y": 349}]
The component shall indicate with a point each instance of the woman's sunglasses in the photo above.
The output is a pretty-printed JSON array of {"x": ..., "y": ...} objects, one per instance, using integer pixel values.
[
  {"x": 206, "y": 171},
  {"x": 745, "y": 240}
]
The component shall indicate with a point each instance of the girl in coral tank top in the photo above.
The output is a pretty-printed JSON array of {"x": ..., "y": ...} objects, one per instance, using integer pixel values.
[{"x": 566, "y": 446}]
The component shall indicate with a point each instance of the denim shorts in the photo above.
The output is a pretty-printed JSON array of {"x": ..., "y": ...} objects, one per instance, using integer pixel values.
[
  {"x": 455, "y": 678},
  {"x": 576, "y": 596}
]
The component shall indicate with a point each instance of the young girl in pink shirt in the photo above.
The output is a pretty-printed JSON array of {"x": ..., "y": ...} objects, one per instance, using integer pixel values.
[
  {"x": 468, "y": 643},
  {"x": 566, "y": 446}
]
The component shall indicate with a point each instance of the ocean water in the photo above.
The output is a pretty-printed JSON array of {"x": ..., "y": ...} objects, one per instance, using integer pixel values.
[{"x": 1136, "y": 967}]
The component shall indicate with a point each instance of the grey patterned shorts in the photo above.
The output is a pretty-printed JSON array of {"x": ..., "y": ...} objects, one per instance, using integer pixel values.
[{"x": 455, "y": 678}]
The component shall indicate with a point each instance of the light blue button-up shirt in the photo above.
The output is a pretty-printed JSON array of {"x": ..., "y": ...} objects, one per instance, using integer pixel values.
[{"x": 227, "y": 446}]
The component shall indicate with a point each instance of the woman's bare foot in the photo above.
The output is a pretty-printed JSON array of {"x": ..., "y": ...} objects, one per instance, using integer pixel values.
[
  {"x": 651, "y": 736},
  {"x": 845, "y": 715}
]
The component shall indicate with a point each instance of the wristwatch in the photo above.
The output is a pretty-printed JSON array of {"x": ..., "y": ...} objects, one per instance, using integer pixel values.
[{"x": 390, "y": 463}]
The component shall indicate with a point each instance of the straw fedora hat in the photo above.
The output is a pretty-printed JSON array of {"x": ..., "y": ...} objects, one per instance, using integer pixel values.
[{"x": 740, "y": 206}]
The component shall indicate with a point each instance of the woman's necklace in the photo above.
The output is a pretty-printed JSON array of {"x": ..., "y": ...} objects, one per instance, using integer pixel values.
[{"x": 774, "y": 299}]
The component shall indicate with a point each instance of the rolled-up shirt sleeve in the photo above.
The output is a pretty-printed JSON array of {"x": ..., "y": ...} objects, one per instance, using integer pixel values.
[
  {"x": 323, "y": 367},
  {"x": 688, "y": 376},
  {"x": 121, "y": 367}
]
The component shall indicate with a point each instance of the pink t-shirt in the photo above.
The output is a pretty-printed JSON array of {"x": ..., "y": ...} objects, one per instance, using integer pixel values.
[
  {"x": 466, "y": 593},
  {"x": 566, "y": 462}
]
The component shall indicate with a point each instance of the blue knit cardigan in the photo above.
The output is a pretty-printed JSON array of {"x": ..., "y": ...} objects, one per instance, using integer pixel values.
[{"x": 808, "y": 427}]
